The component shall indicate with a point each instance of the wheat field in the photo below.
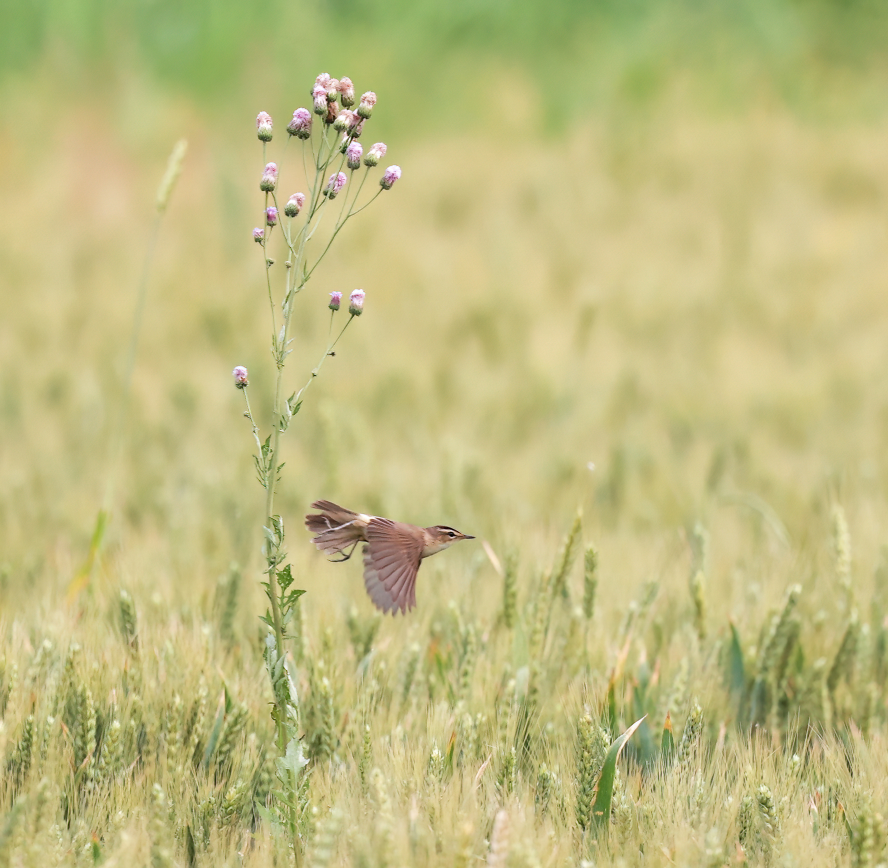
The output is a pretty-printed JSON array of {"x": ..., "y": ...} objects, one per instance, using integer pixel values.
[{"x": 640, "y": 355}]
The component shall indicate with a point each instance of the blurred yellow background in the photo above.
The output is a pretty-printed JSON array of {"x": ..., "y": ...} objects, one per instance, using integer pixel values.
[{"x": 644, "y": 238}]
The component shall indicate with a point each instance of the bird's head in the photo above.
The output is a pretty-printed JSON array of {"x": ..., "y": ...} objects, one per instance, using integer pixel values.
[{"x": 440, "y": 537}]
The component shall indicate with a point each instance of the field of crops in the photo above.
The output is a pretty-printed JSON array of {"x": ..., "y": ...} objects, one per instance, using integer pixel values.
[{"x": 635, "y": 345}]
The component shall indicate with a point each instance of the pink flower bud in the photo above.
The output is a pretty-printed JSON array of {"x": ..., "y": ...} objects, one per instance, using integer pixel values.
[
  {"x": 335, "y": 184},
  {"x": 258, "y": 235},
  {"x": 356, "y": 302},
  {"x": 294, "y": 204},
  {"x": 335, "y": 300},
  {"x": 332, "y": 89},
  {"x": 345, "y": 120},
  {"x": 271, "y": 216},
  {"x": 346, "y": 92},
  {"x": 353, "y": 155},
  {"x": 240, "y": 377},
  {"x": 319, "y": 95},
  {"x": 269, "y": 178},
  {"x": 392, "y": 173},
  {"x": 263, "y": 126},
  {"x": 375, "y": 154},
  {"x": 365, "y": 106},
  {"x": 300, "y": 126}
]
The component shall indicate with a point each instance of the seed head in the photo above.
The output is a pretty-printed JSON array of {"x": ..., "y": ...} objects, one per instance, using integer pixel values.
[
  {"x": 258, "y": 235},
  {"x": 346, "y": 92},
  {"x": 356, "y": 302},
  {"x": 375, "y": 154},
  {"x": 335, "y": 300},
  {"x": 263, "y": 126},
  {"x": 271, "y": 216},
  {"x": 365, "y": 106},
  {"x": 300, "y": 126},
  {"x": 269, "y": 178},
  {"x": 345, "y": 120},
  {"x": 392, "y": 173},
  {"x": 319, "y": 96},
  {"x": 353, "y": 155},
  {"x": 335, "y": 184},
  {"x": 332, "y": 113},
  {"x": 240, "y": 377},
  {"x": 294, "y": 204}
]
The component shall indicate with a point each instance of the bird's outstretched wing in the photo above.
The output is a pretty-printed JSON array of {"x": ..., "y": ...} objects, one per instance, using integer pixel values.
[{"x": 391, "y": 559}]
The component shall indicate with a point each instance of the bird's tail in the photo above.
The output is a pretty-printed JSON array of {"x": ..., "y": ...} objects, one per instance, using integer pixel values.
[{"x": 335, "y": 527}]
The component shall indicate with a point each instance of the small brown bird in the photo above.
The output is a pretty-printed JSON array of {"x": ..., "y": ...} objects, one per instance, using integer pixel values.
[{"x": 393, "y": 550}]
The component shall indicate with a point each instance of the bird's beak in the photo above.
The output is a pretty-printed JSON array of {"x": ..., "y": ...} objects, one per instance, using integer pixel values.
[{"x": 466, "y": 536}]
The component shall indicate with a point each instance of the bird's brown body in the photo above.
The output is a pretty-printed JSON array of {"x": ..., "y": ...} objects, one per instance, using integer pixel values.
[{"x": 393, "y": 550}]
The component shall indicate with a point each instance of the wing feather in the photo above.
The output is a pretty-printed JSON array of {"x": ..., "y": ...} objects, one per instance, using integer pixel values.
[{"x": 391, "y": 561}]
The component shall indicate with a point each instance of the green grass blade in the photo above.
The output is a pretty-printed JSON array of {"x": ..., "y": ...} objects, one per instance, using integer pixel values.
[
  {"x": 667, "y": 741},
  {"x": 604, "y": 791}
]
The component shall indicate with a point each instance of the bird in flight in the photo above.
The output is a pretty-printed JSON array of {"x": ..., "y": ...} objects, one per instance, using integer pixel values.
[{"x": 393, "y": 550}]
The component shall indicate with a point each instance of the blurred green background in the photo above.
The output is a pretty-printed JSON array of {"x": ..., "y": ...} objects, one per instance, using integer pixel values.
[{"x": 646, "y": 236}]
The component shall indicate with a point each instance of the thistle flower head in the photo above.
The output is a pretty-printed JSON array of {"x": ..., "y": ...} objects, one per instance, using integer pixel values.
[
  {"x": 375, "y": 154},
  {"x": 263, "y": 126},
  {"x": 356, "y": 302},
  {"x": 335, "y": 184},
  {"x": 353, "y": 155},
  {"x": 271, "y": 216},
  {"x": 294, "y": 204},
  {"x": 346, "y": 92},
  {"x": 323, "y": 81},
  {"x": 300, "y": 126},
  {"x": 365, "y": 106},
  {"x": 335, "y": 300},
  {"x": 240, "y": 377},
  {"x": 345, "y": 120},
  {"x": 258, "y": 235},
  {"x": 269, "y": 178},
  {"x": 358, "y": 128},
  {"x": 392, "y": 173},
  {"x": 319, "y": 97},
  {"x": 332, "y": 89}
]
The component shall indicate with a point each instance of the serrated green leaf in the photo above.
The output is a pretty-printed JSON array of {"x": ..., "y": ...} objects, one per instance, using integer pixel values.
[{"x": 604, "y": 790}]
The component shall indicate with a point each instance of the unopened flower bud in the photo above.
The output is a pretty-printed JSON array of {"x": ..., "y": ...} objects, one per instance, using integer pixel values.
[
  {"x": 346, "y": 92},
  {"x": 345, "y": 120},
  {"x": 356, "y": 302},
  {"x": 269, "y": 178},
  {"x": 319, "y": 95},
  {"x": 294, "y": 204},
  {"x": 375, "y": 154},
  {"x": 240, "y": 377},
  {"x": 335, "y": 184},
  {"x": 263, "y": 126},
  {"x": 392, "y": 173},
  {"x": 300, "y": 126},
  {"x": 258, "y": 235},
  {"x": 353, "y": 155},
  {"x": 271, "y": 216},
  {"x": 335, "y": 300},
  {"x": 365, "y": 106}
]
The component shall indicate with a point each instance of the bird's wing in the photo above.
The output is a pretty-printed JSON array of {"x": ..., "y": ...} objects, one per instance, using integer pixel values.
[{"x": 391, "y": 560}]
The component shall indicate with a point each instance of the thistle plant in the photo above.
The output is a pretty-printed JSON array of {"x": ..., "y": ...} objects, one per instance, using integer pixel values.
[{"x": 331, "y": 164}]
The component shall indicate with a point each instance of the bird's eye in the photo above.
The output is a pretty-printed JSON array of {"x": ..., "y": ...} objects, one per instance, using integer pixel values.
[{"x": 452, "y": 534}]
